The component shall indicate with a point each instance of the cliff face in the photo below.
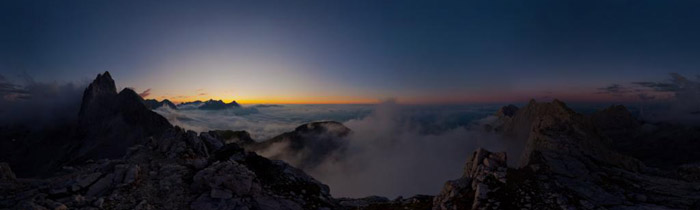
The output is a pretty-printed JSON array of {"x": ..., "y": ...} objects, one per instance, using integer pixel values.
[
  {"x": 568, "y": 163},
  {"x": 150, "y": 164},
  {"x": 178, "y": 170},
  {"x": 110, "y": 122}
]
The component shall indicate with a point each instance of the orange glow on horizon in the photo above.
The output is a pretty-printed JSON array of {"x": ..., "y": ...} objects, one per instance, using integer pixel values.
[
  {"x": 280, "y": 100},
  {"x": 500, "y": 97}
]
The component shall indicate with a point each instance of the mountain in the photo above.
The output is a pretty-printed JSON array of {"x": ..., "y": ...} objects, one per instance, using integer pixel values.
[
  {"x": 176, "y": 170},
  {"x": 210, "y": 104},
  {"x": 568, "y": 163},
  {"x": 154, "y": 104},
  {"x": 218, "y": 104},
  {"x": 110, "y": 122},
  {"x": 306, "y": 146},
  {"x": 122, "y": 155}
]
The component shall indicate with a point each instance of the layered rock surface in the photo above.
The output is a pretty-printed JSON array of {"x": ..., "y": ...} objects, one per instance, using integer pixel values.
[
  {"x": 157, "y": 166},
  {"x": 176, "y": 170},
  {"x": 569, "y": 163}
]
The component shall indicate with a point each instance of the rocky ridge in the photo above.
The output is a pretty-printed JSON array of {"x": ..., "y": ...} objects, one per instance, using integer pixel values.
[
  {"x": 568, "y": 164},
  {"x": 164, "y": 167},
  {"x": 130, "y": 158}
]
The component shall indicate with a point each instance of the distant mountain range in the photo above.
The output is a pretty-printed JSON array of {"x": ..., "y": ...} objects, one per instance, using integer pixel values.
[
  {"x": 210, "y": 104},
  {"x": 121, "y": 155}
]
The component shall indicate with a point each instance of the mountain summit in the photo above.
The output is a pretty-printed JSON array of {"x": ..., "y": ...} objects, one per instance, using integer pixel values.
[{"x": 110, "y": 122}]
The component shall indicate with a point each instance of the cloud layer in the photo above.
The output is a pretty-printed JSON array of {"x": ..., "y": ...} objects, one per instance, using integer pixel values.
[
  {"x": 36, "y": 104},
  {"x": 675, "y": 100},
  {"x": 393, "y": 149}
]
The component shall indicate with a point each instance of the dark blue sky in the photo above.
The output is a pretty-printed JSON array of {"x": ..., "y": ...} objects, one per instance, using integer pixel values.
[{"x": 353, "y": 51}]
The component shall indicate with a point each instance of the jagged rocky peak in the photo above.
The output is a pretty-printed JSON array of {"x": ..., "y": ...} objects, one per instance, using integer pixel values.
[
  {"x": 555, "y": 112},
  {"x": 111, "y": 122},
  {"x": 102, "y": 85},
  {"x": 553, "y": 129},
  {"x": 99, "y": 92},
  {"x": 218, "y": 104},
  {"x": 154, "y": 104}
]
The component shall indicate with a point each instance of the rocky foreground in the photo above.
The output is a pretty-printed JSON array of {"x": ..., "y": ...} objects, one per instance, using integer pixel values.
[{"x": 121, "y": 155}]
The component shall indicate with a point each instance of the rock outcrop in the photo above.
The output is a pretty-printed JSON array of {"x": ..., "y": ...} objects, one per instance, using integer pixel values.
[
  {"x": 174, "y": 171},
  {"x": 142, "y": 162},
  {"x": 306, "y": 146},
  {"x": 569, "y": 163},
  {"x": 482, "y": 185},
  {"x": 110, "y": 122}
]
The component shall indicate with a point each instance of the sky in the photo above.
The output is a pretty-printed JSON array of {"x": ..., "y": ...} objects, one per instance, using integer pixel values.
[{"x": 353, "y": 51}]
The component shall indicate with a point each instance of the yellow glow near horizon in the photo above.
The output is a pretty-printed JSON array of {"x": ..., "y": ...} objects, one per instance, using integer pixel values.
[{"x": 279, "y": 100}]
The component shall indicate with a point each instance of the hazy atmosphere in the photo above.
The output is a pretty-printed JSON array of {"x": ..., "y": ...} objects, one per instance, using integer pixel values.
[{"x": 345, "y": 105}]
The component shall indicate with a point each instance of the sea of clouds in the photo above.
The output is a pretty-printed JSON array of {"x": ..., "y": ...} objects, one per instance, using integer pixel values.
[{"x": 394, "y": 150}]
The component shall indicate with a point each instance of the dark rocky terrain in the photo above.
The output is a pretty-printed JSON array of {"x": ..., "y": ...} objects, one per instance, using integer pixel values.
[
  {"x": 121, "y": 155},
  {"x": 131, "y": 158},
  {"x": 569, "y": 163}
]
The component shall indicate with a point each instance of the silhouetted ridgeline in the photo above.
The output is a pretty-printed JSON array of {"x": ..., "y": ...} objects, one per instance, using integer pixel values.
[{"x": 121, "y": 155}]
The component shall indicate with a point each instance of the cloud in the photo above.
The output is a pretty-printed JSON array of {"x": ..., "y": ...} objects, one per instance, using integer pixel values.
[
  {"x": 36, "y": 104},
  {"x": 261, "y": 122},
  {"x": 390, "y": 154},
  {"x": 614, "y": 89},
  {"x": 393, "y": 150},
  {"x": 11, "y": 91},
  {"x": 679, "y": 94},
  {"x": 202, "y": 94},
  {"x": 145, "y": 93}
]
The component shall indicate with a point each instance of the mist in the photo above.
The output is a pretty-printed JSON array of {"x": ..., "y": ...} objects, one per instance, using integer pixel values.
[
  {"x": 38, "y": 104},
  {"x": 388, "y": 154},
  {"x": 262, "y": 122},
  {"x": 393, "y": 149}
]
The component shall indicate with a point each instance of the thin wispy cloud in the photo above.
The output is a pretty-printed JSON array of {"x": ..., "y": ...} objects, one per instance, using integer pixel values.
[
  {"x": 145, "y": 93},
  {"x": 680, "y": 93}
]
